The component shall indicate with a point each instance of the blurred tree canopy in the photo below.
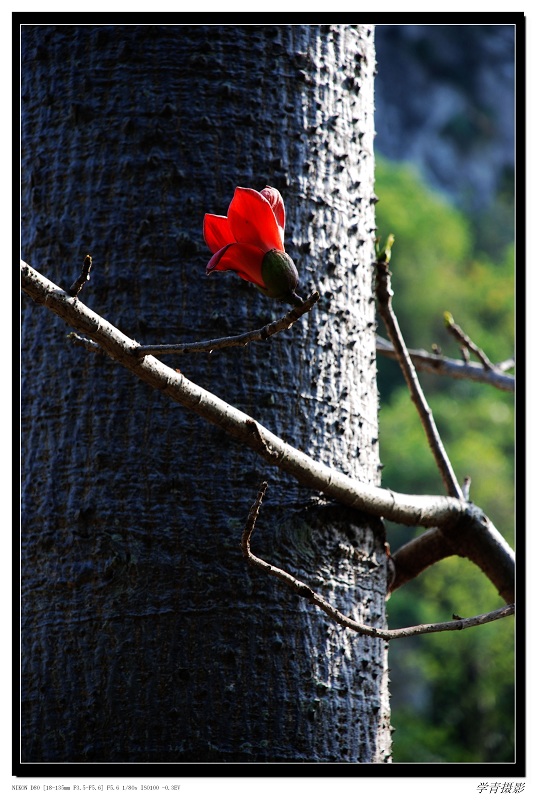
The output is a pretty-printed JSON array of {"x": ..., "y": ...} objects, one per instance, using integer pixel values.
[{"x": 452, "y": 694}]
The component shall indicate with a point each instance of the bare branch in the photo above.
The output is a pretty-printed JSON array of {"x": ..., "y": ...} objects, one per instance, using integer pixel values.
[
  {"x": 418, "y": 554},
  {"x": 384, "y": 294},
  {"x": 466, "y": 342},
  {"x": 462, "y": 521},
  {"x": 76, "y": 288},
  {"x": 454, "y": 368},
  {"x": 305, "y": 591},
  {"x": 408, "y": 509},
  {"x": 241, "y": 339}
]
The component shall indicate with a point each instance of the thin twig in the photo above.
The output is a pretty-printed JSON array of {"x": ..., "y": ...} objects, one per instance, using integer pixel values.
[
  {"x": 241, "y": 339},
  {"x": 466, "y": 342},
  {"x": 251, "y": 520},
  {"x": 76, "y": 287},
  {"x": 454, "y": 368},
  {"x": 305, "y": 591},
  {"x": 384, "y": 294}
]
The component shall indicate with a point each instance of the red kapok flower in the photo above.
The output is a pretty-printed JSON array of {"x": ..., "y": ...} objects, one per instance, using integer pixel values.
[{"x": 249, "y": 241}]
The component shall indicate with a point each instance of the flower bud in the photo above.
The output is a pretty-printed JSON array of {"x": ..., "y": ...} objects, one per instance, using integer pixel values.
[{"x": 279, "y": 275}]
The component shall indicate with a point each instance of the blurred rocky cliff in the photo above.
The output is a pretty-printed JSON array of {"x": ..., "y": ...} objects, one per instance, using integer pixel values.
[{"x": 445, "y": 102}]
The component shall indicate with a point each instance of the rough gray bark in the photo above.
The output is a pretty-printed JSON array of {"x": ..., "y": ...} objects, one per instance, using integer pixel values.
[{"x": 145, "y": 637}]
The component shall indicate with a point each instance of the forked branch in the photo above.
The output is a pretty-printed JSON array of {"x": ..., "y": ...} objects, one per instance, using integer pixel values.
[
  {"x": 305, "y": 591},
  {"x": 466, "y": 342},
  {"x": 453, "y": 367}
]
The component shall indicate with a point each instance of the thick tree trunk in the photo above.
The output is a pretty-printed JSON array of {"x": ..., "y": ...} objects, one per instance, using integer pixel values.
[{"x": 146, "y": 637}]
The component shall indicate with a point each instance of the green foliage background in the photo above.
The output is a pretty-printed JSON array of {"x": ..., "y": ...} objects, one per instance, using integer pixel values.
[{"x": 452, "y": 693}]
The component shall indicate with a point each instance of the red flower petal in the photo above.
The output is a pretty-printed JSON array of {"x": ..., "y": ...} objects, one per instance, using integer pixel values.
[
  {"x": 217, "y": 232},
  {"x": 244, "y": 259},
  {"x": 252, "y": 220},
  {"x": 278, "y": 206}
]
